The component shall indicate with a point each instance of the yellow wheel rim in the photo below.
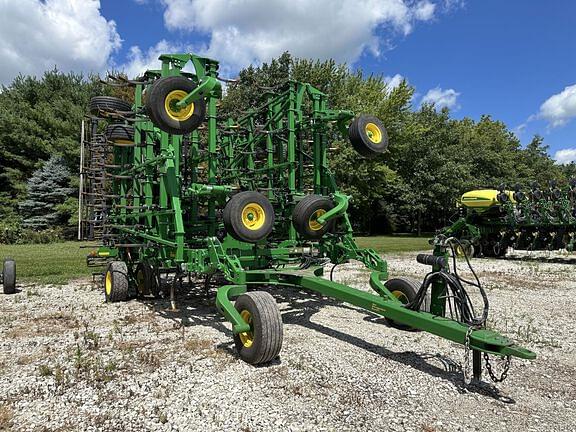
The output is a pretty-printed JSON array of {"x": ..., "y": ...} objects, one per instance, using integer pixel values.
[
  {"x": 459, "y": 251},
  {"x": 253, "y": 216},
  {"x": 247, "y": 338},
  {"x": 374, "y": 133},
  {"x": 400, "y": 296},
  {"x": 174, "y": 113},
  {"x": 108, "y": 283},
  {"x": 313, "y": 223}
]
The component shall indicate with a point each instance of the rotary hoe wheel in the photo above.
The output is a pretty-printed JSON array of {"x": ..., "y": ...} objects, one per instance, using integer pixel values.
[
  {"x": 249, "y": 217},
  {"x": 161, "y": 102},
  {"x": 368, "y": 136},
  {"x": 264, "y": 340},
  {"x": 306, "y": 214},
  {"x": 116, "y": 282}
]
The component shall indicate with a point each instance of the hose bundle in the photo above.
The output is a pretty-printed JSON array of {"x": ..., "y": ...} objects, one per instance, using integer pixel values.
[{"x": 459, "y": 304}]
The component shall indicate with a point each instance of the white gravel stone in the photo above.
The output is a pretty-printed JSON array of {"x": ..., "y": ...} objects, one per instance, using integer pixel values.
[{"x": 70, "y": 362}]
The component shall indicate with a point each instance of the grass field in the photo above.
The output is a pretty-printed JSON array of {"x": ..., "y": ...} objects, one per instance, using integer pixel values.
[
  {"x": 384, "y": 244},
  {"x": 57, "y": 263},
  {"x": 54, "y": 263}
]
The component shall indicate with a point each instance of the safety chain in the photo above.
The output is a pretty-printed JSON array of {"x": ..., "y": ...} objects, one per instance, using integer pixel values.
[
  {"x": 504, "y": 374},
  {"x": 466, "y": 366}
]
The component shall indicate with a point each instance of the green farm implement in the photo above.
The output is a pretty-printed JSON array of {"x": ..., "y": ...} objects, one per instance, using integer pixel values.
[
  {"x": 539, "y": 219},
  {"x": 173, "y": 190}
]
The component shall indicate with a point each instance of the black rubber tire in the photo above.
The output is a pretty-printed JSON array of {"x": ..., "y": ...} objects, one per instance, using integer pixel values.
[
  {"x": 464, "y": 248},
  {"x": 360, "y": 139},
  {"x": 120, "y": 132},
  {"x": 116, "y": 289},
  {"x": 9, "y": 276},
  {"x": 105, "y": 105},
  {"x": 266, "y": 325},
  {"x": 149, "y": 283},
  {"x": 408, "y": 287},
  {"x": 156, "y": 110},
  {"x": 232, "y": 217},
  {"x": 304, "y": 214}
]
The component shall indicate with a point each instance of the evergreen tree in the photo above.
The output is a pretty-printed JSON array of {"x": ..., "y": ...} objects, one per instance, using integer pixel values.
[{"x": 47, "y": 191}]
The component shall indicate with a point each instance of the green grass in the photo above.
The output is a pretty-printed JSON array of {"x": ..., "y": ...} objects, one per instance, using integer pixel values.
[
  {"x": 385, "y": 244},
  {"x": 58, "y": 263},
  {"x": 55, "y": 263}
]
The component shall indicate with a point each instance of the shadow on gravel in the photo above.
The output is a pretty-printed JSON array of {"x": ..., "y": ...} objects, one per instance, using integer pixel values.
[
  {"x": 303, "y": 305},
  {"x": 195, "y": 306}
]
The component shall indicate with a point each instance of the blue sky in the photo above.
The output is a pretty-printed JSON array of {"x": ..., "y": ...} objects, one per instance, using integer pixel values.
[{"x": 510, "y": 59}]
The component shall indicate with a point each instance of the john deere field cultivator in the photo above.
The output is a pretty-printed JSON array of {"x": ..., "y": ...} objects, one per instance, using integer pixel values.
[
  {"x": 173, "y": 190},
  {"x": 539, "y": 219}
]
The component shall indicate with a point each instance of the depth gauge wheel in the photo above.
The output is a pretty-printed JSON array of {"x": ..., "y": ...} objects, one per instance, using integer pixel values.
[
  {"x": 306, "y": 214},
  {"x": 9, "y": 276},
  {"x": 405, "y": 289},
  {"x": 368, "y": 136},
  {"x": 248, "y": 217},
  {"x": 146, "y": 281},
  {"x": 161, "y": 102},
  {"x": 465, "y": 248},
  {"x": 116, "y": 282},
  {"x": 264, "y": 340}
]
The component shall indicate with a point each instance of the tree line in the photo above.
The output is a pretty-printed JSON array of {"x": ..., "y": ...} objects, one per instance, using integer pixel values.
[{"x": 432, "y": 159}]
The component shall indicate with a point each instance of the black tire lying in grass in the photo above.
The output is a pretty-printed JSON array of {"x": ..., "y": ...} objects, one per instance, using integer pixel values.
[
  {"x": 405, "y": 289},
  {"x": 160, "y": 105},
  {"x": 105, "y": 105},
  {"x": 249, "y": 217},
  {"x": 368, "y": 136},
  {"x": 119, "y": 133},
  {"x": 9, "y": 276},
  {"x": 116, "y": 282},
  {"x": 306, "y": 213},
  {"x": 264, "y": 340}
]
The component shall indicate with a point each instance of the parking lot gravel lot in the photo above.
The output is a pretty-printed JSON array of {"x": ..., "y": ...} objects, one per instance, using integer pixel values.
[{"x": 69, "y": 361}]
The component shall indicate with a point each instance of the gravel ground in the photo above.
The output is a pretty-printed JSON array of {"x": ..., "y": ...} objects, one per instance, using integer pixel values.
[{"x": 68, "y": 361}]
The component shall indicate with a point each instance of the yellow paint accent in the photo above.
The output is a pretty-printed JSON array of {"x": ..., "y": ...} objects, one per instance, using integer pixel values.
[
  {"x": 313, "y": 223},
  {"x": 108, "y": 283},
  {"x": 374, "y": 133},
  {"x": 103, "y": 253},
  {"x": 247, "y": 338},
  {"x": 177, "y": 114},
  {"x": 400, "y": 296},
  {"x": 123, "y": 141},
  {"x": 253, "y": 216},
  {"x": 483, "y": 198}
]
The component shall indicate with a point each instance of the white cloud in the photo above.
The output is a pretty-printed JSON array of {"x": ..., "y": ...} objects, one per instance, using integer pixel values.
[
  {"x": 37, "y": 35},
  {"x": 424, "y": 10},
  {"x": 253, "y": 31},
  {"x": 559, "y": 108},
  {"x": 139, "y": 61},
  {"x": 442, "y": 98},
  {"x": 565, "y": 156},
  {"x": 393, "y": 81}
]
